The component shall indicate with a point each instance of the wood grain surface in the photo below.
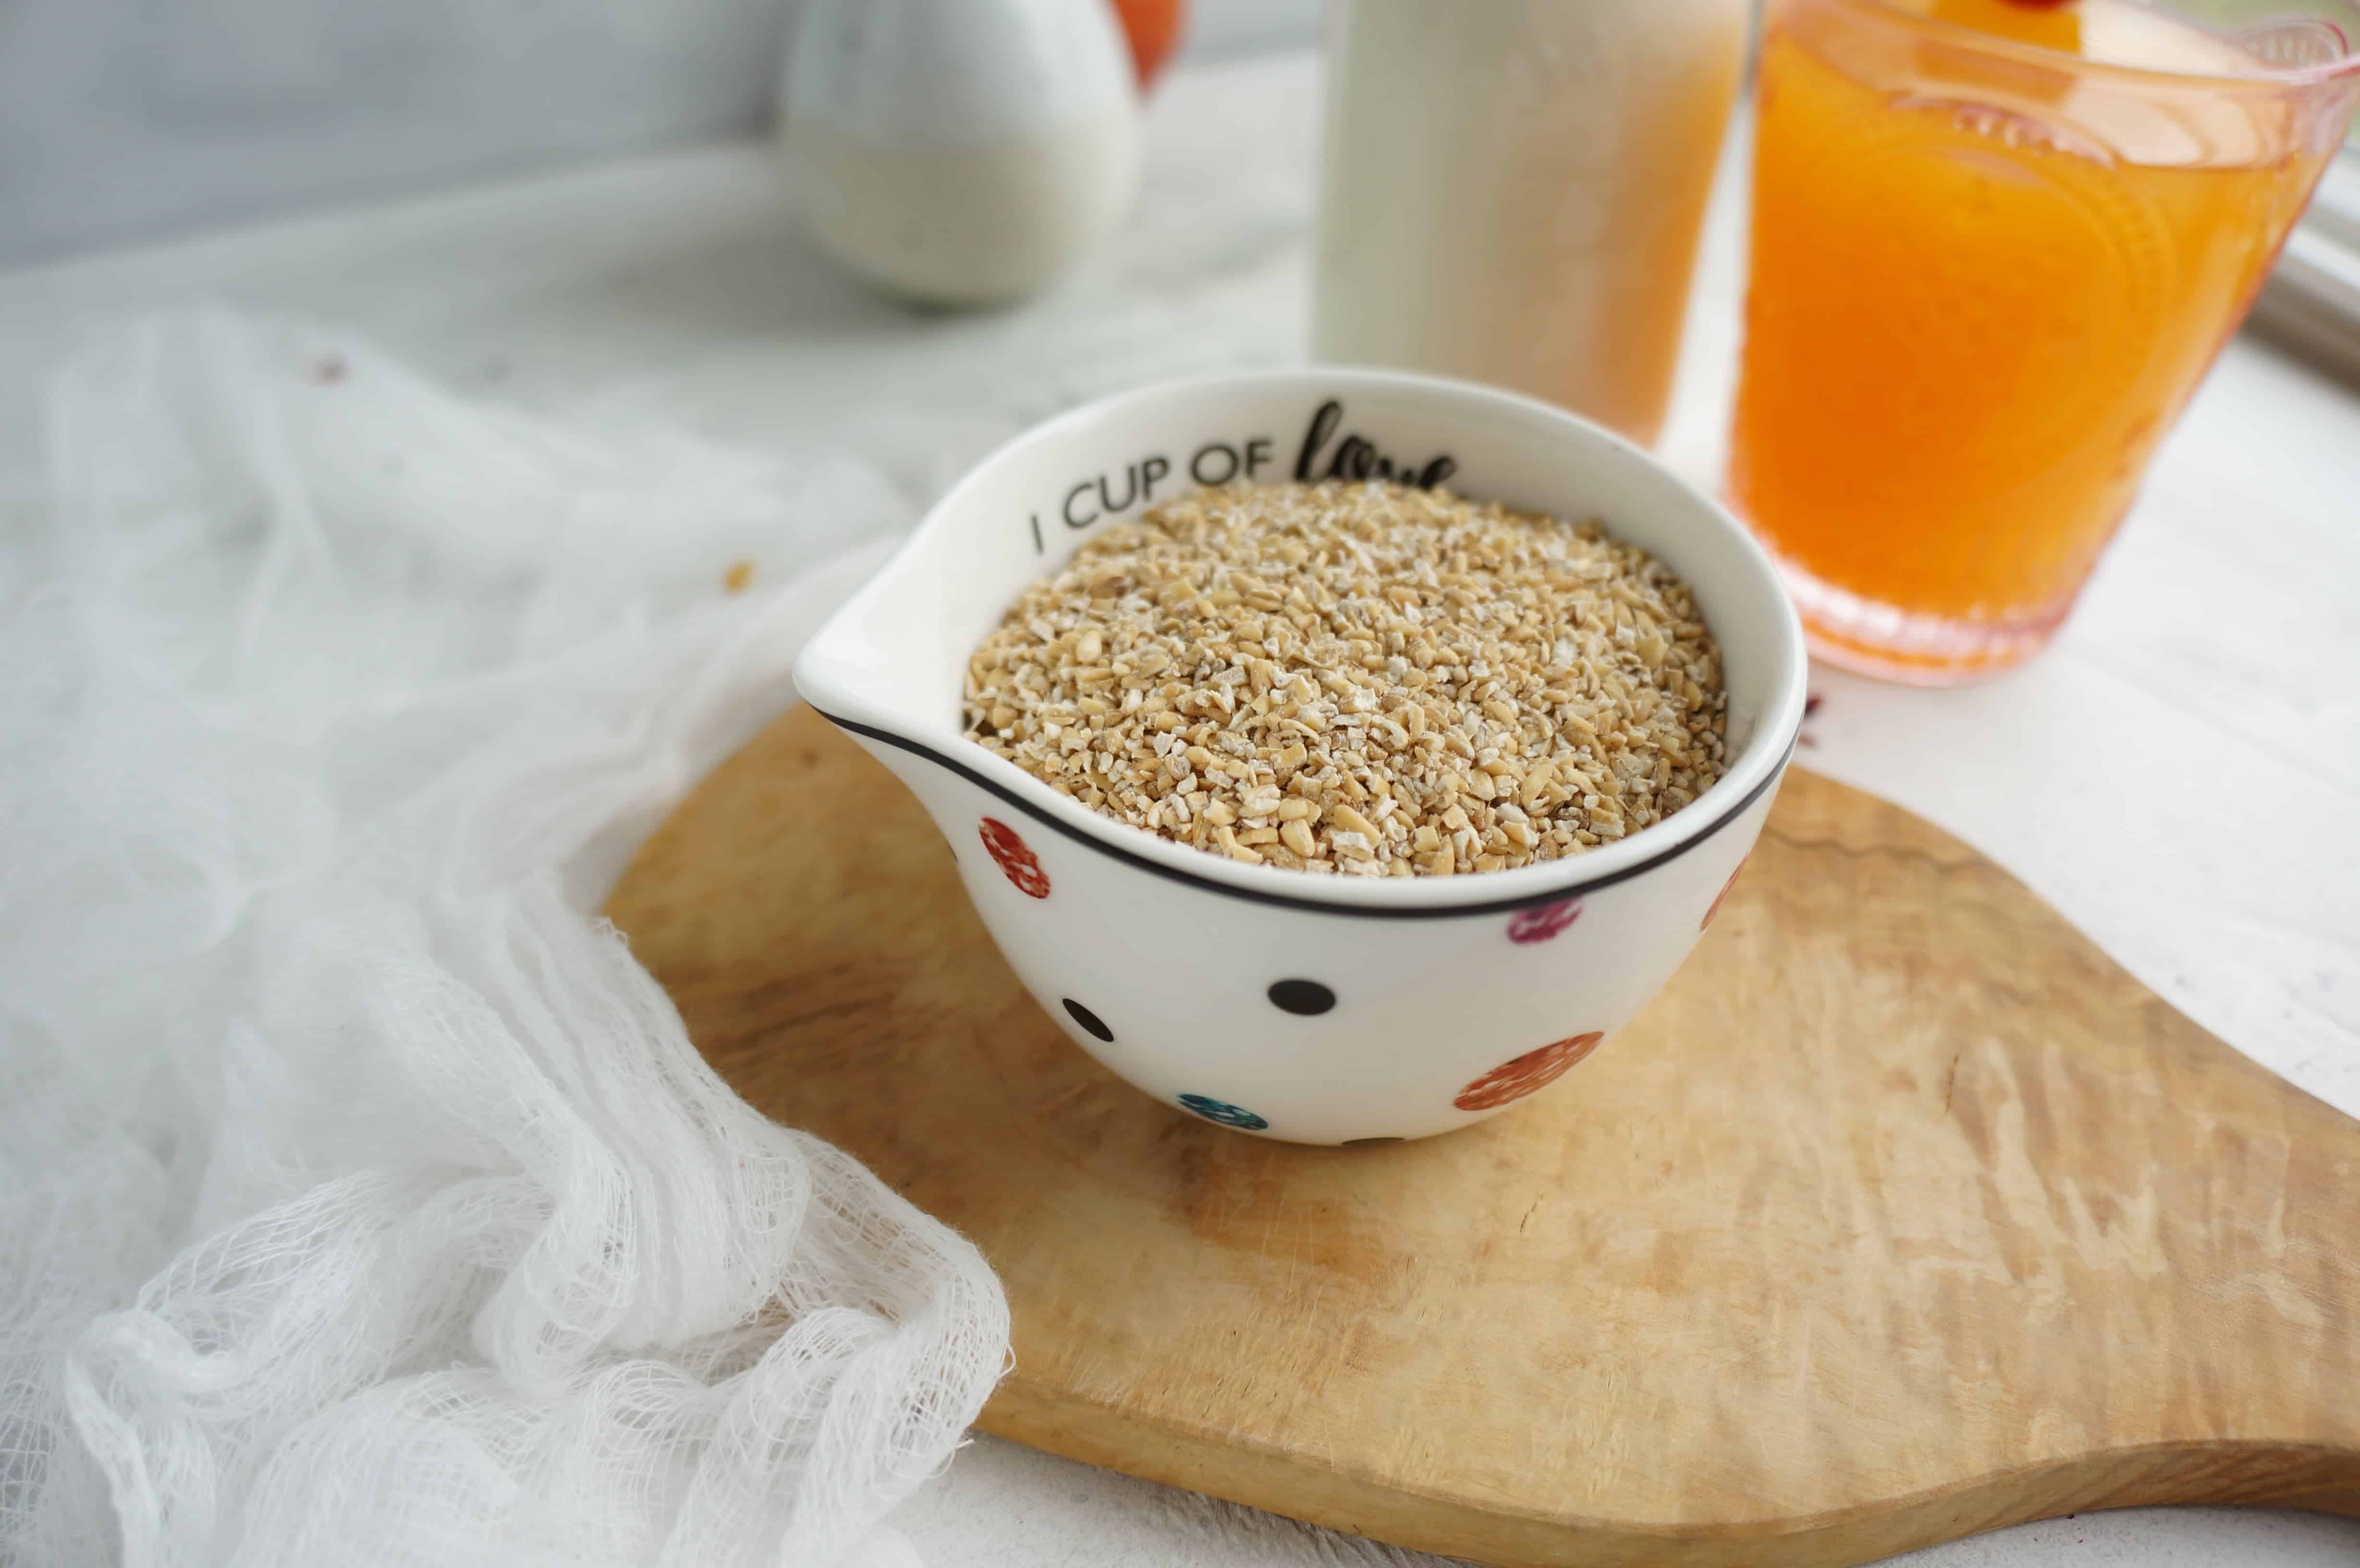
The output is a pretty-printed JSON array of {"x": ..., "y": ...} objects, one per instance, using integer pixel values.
[{"x": 1903, "y": 1214}]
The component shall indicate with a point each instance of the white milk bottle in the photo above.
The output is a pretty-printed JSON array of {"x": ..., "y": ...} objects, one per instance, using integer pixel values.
[{"x": 1511, "y": 190}]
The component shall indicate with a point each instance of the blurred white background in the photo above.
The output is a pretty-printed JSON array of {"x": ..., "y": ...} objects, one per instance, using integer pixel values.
[{"x": 124, "y": 119}]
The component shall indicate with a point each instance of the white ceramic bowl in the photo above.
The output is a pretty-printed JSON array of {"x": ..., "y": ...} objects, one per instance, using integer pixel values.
[{"x": 1319, "y": 1009}]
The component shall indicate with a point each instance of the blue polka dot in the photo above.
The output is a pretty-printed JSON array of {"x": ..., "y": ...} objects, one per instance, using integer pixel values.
[{"x": 1221, "y": 1111}]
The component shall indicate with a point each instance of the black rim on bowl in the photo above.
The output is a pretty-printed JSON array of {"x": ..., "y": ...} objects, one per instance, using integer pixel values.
[{"x": 1722, "y": 817}]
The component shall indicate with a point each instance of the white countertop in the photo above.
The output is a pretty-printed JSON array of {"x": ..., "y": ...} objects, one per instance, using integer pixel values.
[{"x": 2179, "y": 775}]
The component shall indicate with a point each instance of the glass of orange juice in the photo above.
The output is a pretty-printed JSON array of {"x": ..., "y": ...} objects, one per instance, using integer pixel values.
[{"x": 1995, "y": 246}]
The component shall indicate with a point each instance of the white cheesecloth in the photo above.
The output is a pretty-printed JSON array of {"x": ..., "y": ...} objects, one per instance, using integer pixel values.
[{"x": 361, "y": 1199}]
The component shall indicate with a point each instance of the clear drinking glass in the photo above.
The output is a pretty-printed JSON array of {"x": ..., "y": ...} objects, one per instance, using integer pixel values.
[{"x": 1995, "y": 246}]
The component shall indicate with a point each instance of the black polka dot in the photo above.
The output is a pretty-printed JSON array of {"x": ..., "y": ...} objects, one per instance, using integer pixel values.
[
  {"x": 1361, "y": 1142},
  {"x": 1088, "y": 1020},
  {"x": 1305, "y": 996}
]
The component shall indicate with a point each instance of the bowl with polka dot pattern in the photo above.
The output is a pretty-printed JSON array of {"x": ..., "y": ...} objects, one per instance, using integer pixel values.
[{"x": 1268, "y": 1001}]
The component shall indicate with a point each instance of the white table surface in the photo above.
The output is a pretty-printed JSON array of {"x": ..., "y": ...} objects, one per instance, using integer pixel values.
[{"x": 2179, "y": 775}]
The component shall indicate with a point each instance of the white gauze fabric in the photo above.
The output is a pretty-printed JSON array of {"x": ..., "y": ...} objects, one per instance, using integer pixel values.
[{"x": 361, "y": 1199}]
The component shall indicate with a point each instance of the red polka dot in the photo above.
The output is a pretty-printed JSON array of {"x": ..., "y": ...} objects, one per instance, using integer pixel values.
[
  {"x": 1544, "y": 922},
  {"x": 1022, "y": 867},
  {"x": 1717, "y": 897},
  {"x": 1527, "y": 1074}
]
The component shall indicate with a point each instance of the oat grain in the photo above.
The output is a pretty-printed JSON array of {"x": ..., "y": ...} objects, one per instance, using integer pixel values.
[{"x": 1361, "y": 678}]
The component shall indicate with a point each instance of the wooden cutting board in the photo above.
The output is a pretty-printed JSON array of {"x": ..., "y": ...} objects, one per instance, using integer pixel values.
[{"x": 1903, "y": 1214}]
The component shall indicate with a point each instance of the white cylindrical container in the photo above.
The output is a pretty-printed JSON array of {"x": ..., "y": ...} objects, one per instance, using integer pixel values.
[
  {"x": 1511, "y": 190},
  {"x": 960, "y": 152}
]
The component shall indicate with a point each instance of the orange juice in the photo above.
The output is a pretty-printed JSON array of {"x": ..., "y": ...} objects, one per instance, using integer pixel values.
[{"x": 1995, "y": 246}]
